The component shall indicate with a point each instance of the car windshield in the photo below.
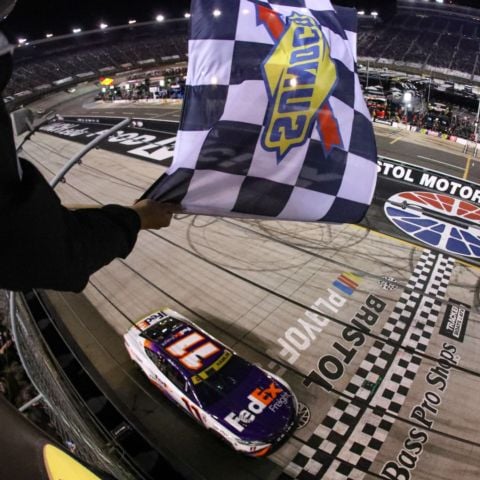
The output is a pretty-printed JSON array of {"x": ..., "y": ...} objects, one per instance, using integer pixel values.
[
  {"x": 162, "y": 329},
  {"x": 221, "y": 382}
]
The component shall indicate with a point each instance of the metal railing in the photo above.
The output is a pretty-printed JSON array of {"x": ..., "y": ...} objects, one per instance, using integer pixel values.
[{"x": 72, "y": 421}]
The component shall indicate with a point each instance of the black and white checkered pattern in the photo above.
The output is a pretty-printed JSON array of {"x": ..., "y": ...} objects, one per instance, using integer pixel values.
[
  {"x": 221, "y": 166},
  {"x": 347, "y": 442}
]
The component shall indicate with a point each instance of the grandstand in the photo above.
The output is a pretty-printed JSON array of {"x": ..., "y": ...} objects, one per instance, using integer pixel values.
[
  {"x": 58, "y": 62},
  {"x": 421, "y": 37},
  {"x": 428, "y": 37}
]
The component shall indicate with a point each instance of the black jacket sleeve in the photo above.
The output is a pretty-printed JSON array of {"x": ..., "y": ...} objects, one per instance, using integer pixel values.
[{"x": 44, "y": 245}]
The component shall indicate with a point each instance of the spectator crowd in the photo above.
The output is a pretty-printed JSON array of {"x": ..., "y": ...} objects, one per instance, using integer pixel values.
[
  {"x": 425, "y": 38},
  {"x": 14, "y": 383}
]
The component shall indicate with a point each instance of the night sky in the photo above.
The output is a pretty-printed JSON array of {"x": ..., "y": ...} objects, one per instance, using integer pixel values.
[{"x": 32, "y": 19}]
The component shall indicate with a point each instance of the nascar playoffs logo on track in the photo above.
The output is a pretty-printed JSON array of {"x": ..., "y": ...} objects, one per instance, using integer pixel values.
[{"x": 299, "y": 76}]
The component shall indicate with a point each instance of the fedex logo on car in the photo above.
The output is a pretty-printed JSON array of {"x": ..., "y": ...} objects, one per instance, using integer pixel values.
[{"x": 259, "y": 401}]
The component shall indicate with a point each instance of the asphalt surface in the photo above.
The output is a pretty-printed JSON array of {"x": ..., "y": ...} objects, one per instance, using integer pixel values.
[
  {"x": 386, "y": 364},
  {"x": 432, "y": 153}
]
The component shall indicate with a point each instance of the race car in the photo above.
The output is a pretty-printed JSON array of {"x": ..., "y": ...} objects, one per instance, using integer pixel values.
[{"x": 251, "y": 409}]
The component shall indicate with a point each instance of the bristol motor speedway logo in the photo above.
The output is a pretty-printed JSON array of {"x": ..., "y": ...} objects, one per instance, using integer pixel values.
[{"x": 437, "y": 220}]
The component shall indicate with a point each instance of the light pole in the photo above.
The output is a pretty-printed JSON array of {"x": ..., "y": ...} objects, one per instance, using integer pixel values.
[
  {"x": 476, "y": 120},
  {"x": 476, "y": 128},
  {"x": 429, "y": 86},
  {"x": 368, "y": 71}
]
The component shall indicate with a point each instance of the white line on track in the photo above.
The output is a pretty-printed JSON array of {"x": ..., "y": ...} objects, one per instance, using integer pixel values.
[{"x": 442, "y": 163}]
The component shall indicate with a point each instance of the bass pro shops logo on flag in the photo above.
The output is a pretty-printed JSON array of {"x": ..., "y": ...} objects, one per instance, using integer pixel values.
[
  {"x": 274, "y": 124},
  {"x": 300, "y": 76}
]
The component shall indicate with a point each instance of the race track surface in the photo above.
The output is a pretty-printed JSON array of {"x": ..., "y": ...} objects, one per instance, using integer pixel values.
[{"x": 379, "y": 338}]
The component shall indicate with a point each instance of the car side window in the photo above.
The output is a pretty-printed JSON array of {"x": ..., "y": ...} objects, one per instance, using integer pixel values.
[
  {"x": 156, "y": 359},
  {"x": 175, "y": 377}
]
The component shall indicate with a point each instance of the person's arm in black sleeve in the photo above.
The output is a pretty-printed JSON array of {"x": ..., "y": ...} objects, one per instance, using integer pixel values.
[
  {"x": 109, "y": 232},
  {"x": 45, "y": 245}
]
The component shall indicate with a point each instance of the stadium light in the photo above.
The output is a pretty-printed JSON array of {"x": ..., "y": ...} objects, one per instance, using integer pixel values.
[
  {"x": 131, "y": 22},
  {"x": 22, "y": 41},
  {"x": 103, "y": 26},
  {"x": 439, "y": 1},
  {"x": 49, "y": 35},
  {"x": 76, "y": 30},
  {"x": 217, "y": 12},
  {"x": 374, "y": 14},
  {"x": 160, "y": 18},
  {"x": 187, "y": 15},
  {"x": 407, "y": 97},
  {"x": 361, "y": 12}
]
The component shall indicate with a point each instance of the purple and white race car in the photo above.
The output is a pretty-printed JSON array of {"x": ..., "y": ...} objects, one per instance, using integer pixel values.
[{"x": 251, "y": 409}]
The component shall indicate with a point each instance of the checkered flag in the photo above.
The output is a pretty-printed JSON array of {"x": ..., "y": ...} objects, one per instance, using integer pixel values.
[{"x": 274, "y": 123}]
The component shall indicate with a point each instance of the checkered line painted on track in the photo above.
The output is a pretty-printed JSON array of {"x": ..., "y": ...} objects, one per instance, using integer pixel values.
[{"x": 345, "y": 445}]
